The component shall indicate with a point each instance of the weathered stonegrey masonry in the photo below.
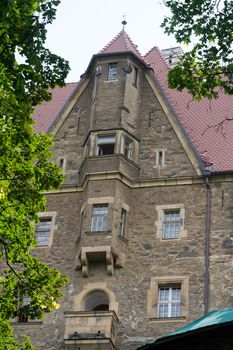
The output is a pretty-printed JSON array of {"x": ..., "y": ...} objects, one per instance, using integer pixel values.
[{"x": 143, "y": 223}]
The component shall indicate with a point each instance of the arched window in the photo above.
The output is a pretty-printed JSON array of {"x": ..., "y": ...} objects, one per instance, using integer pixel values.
[{"x": 96, "y": 301}]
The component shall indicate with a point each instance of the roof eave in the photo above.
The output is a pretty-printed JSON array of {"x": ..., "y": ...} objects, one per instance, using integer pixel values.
[{"x": 142, "y": 63}]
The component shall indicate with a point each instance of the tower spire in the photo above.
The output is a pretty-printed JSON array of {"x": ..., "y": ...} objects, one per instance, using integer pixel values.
[{"x": 124, "y": 22}]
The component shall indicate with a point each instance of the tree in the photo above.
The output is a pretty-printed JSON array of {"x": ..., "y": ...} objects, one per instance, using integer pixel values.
[
  {"x": 208, "y": 67},
  {"x": 26, "y": 169}
]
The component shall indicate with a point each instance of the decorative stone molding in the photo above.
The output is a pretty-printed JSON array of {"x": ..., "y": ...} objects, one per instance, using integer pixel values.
[
  {"x": 91, "y": 287},
  {"x": 152, "y": 295},
  {"x": 159, "y": 223}
]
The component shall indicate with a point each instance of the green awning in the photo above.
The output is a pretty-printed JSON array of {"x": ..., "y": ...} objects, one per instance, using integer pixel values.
[{"x": 213, "y": 331}]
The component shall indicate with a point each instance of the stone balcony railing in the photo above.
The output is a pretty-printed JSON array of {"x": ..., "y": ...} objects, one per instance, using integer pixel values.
[
  {"x": 90, "y": 330},
  {"x": 115, "y": 163}
]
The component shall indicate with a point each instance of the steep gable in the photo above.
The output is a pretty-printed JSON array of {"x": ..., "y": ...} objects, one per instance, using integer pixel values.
[{"x": 213, "y": 144}]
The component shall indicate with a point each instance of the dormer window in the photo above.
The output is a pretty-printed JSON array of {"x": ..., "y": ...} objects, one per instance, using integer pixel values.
[
  {"x": 105, "y": 144},
  {"x": 112, "y": 71}
]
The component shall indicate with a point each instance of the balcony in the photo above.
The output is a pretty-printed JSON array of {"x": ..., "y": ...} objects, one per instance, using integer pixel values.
[
  {"x": 90, "y": 329},
  {"x": 108, "y": 164},
  {"x": 102, "y": 247}
]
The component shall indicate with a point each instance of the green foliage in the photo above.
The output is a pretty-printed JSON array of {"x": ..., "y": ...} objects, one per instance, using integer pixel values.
[
  {"x": 26, "y": 169},
  {"x": 208, "y": 67}
]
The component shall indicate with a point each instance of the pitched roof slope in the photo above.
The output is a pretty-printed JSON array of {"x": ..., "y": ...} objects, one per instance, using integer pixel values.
[
  {"x": 122, "y": 43},
  {"x": 198, "y": 118},
  {"x": 46, "y": 113}
]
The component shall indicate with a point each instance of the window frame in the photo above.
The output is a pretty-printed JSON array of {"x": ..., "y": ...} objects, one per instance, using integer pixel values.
[
  {"x": 43, "y": 216},
  {"x": 122, "y": 225},
  {"x": 159, "y": 223},
  {"x": 169, "y": 224},
  {"x": 170, "y": 302},
  {"x": 160, "y": 161},
  {"x": 98, "y": 144},
  {"x": 97, "y": 216},
  {"x": 135, "y": 76},
  {"x": 153, "y": 297},
  {"x": 128, "y": 148},
  {"x": 112, "y": 71}
]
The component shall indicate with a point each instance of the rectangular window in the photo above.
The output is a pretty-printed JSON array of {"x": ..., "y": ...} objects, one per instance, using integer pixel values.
[
  {"x": 112, "y": 71},
  {"x": 106, "y": 145},
  {"x": 160, "y": 158},
  {"x": 169, "y": 301},
  {"x": 128, "y": 148},
  {"x": 135, "y": 77},
  {"x": 43, "y": 230},
  {"x": 122, "y": 222},
  {"x": 171, "y": 224},
  {"x": 99, "y": 220}
]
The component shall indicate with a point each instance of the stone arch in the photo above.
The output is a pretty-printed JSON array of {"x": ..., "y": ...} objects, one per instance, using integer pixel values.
[
  {"x": 91, "y": 288},
  {"x": 96, "y": 300}
]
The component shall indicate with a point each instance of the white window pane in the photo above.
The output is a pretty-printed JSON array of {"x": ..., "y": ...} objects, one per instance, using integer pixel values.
[
  {"x": 112, "y": 71},
  {"x": 169, "y": 302},
  {"x": 163, "y": 310},
  {"x": 171, "y": 225},
  {"x": 43, "y": 229},
  {"x": 176, "y": 294},
  {"x": 175, "y": 311},
  {"x": 164, "y": 294},
  {"x": 99, "y": 218}
]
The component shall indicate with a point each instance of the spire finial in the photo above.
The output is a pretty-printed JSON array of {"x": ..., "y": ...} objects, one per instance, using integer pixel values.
[{"x": 124, "y": 21}]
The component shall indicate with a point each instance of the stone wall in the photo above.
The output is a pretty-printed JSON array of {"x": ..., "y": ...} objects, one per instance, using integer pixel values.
[{"x": 141, "y": 188}]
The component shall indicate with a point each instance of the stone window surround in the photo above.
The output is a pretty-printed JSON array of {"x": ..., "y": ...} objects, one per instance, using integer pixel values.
[
  {"x": 79, "y": 299},
  {"x": 159, "y": 223},
  {"x": 52, "y": 215},
  {"x": 63, "y": 168},
  {"x": 110, "y": 201},
  {"x": 152, "y": 296},
  {"x": 112, "y": 71},
  {"x": 97, "y": 200},
  {"x": 157, "y": 158},
  {"x": 123, "y": 205},
  {"x": 91, "y": 144}
]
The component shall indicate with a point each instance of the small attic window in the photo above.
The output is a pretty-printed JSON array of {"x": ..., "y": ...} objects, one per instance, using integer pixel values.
[{"x": 112, "y": 71}]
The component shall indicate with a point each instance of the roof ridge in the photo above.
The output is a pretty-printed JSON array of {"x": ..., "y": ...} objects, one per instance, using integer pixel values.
[
  {"x": 159, "y": 53},
  {"x": 132, "y": 43}
]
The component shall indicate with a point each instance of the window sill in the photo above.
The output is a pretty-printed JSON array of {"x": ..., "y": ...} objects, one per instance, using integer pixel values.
[
  {"x": 168, "y": 319},
  {"x": 93, "y": 233},
  {"x": 111, "y": 81}
]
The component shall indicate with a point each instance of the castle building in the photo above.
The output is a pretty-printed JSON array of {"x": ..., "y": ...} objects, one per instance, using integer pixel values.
[{"x": 143, "y": 223}]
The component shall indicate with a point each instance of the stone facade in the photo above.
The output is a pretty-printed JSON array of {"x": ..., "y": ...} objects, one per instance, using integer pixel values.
[{"x": 161, "y": 174}]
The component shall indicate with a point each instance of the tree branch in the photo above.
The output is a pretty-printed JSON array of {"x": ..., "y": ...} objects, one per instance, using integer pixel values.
[{"x": 4, "y": 244}]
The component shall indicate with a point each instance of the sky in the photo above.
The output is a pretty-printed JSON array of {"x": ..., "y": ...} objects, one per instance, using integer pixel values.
[{"x": 83, "y": 28}]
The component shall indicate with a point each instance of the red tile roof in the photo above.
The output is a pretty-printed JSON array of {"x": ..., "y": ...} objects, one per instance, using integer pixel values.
[
  {"x": 46, "y": 113},
  {"x": 197, "y": 119},
  {"x": 122, "y": 43}
]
